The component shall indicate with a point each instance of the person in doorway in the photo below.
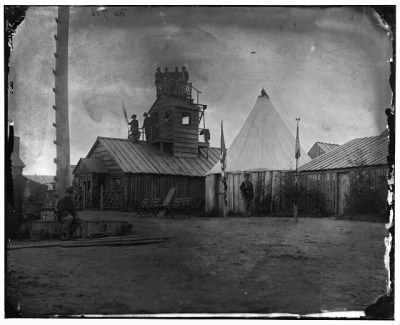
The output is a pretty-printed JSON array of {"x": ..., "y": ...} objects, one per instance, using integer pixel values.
[
  {"x": 246, "y": 188},
  {"x": 67, "y": 214},
  {"x": 147, "y": 126}
]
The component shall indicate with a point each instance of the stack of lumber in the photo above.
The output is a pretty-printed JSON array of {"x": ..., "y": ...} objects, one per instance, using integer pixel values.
[{"x": 106, "y": 241}]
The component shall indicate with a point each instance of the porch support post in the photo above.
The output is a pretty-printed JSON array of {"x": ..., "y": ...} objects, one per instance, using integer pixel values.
[{"x": 101, "y": 198}]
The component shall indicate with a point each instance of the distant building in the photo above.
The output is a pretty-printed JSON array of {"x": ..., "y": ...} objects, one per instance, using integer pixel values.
[
  {"x": 47, "y": 180},
  {"x": 319, "y": 148},
  {"x": 126, "y": 174},
  {"x": 17, "y": 167},
  {"x": 17, "y": 163},
  {"x": 349, "y": 174}
]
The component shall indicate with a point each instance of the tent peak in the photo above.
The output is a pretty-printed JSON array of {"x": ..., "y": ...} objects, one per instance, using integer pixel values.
[{"x": 264, "y": 93}]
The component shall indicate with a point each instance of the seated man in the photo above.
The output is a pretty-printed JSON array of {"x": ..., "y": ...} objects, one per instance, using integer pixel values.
[{"x": 67, "y": 214}]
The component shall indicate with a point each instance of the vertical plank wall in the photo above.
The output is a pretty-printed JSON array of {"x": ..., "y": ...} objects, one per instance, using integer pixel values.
[
  {"x": 156, "y": 187},
  {"x": 274, "y": 190}
]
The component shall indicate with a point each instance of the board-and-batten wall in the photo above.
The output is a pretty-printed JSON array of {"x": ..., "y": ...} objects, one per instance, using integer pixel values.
[
  {"x": 268, "y": 192},
  {"x": 273, "y": 190},
  {"x": 139, "y": 187},
  {"x": 184, "y": 137},
  {"x": 155, "y": 187},
  {"x": 269, "y": 187}
]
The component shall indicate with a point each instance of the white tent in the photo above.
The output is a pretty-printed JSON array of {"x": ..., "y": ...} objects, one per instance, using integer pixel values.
[
  {"x": 264, "y": 142},
  {"x": 264, "y": 147}
]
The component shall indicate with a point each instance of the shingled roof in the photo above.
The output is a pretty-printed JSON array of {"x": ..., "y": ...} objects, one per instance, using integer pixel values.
[
  {"x": 143, "y": 158},
  {"x": 369, "y": 151}
]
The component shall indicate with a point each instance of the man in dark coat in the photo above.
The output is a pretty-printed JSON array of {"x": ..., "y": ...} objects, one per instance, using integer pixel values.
[
  {"x": 184, "y": 81},
  {"x": 67, "y": 214},
  {"x": 185, "y": 74},
  {"x": 134, "y": 128},
  {"x": 246, "y": 188},
  {"x": 158, "y": 81},
  {"x": 147, "y": 126},
  {"x": 166, "y": 80}
]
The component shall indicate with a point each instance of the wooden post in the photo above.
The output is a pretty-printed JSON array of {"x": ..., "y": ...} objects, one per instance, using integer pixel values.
[
  {"x": 63, "y": 170},
  {"x": 84, "y": 199},
  {"x": 297, "y": 155},
  {"x": 101, "y": 198},
  {"x": 121, "y": 198},
  {"x": 272, "y": 192}
]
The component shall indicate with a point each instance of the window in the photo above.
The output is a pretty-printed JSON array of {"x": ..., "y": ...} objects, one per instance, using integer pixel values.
[
  {"x": 167, "y": 116},
  {"x": 115, "y": 184},
  {"x": 185, "y": 120}
]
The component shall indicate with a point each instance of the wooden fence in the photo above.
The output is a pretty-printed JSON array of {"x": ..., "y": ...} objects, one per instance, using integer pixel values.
[
  {"x": 319, "y": 192},
  {"x": 99, "y": 200}
]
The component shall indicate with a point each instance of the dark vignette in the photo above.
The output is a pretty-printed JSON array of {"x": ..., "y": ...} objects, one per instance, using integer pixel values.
[
  {"x": 383, "y": 308},
  {"x": 13, "y": 17}
]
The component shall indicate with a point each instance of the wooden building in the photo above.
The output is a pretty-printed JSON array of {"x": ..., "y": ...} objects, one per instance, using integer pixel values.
[
  {"x": 319, "y": 148},
  {"x": 29, "y": 191},
  {"x": 48, "y": 180},
  {"x": 350, "y": 178},
  {"x": 126, "y": 174}
]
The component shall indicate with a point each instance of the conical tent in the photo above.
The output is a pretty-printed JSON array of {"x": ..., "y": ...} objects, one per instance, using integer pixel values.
[{"x": 264, "y": 142}]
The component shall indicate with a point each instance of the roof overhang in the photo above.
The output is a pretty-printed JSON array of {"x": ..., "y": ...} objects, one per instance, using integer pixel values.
[{"x": 89, "y": 166}]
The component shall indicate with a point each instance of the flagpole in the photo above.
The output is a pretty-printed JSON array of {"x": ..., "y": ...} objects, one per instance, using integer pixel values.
[
  {"x": 297, "y": 155},
  {"x": 126, "y": 116},
  {"x": 223, "y": 166}
]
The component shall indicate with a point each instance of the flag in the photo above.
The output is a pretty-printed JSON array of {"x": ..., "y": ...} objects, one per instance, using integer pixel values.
[
  {"x": 222, "y": 159},
  {"x": 297, "y": 153},
  {"x": 222, "y": 156},
  {"x": 125, "y": 113}
]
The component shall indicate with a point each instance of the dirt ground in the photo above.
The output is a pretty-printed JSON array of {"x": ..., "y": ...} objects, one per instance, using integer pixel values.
[{"x": 231, "y": 265}]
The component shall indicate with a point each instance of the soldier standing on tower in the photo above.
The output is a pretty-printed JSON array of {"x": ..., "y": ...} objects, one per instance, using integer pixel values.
[
  {"x": 185, "y": 79},
  {"x": 185, "y": 74},
  {"x": 158, "y": 81},
  {"x": 147, "y": 126},
  {"x": 134, "y": 124},
  {"x": 166, "y": 78},
  {"x": 176, "y": 82}
]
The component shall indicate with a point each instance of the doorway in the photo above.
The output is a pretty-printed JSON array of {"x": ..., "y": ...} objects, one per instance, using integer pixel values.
[{"x": 343, "y": 181}]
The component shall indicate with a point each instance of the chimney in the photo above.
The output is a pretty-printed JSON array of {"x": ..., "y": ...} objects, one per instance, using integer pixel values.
[{"x": 16, "y": 145}]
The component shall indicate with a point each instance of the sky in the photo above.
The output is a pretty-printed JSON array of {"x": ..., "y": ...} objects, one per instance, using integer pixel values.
[{"x": 327, "y": 66}]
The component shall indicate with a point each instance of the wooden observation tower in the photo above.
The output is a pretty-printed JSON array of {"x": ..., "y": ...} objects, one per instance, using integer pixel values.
[{"x": 177, "y": 116}]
